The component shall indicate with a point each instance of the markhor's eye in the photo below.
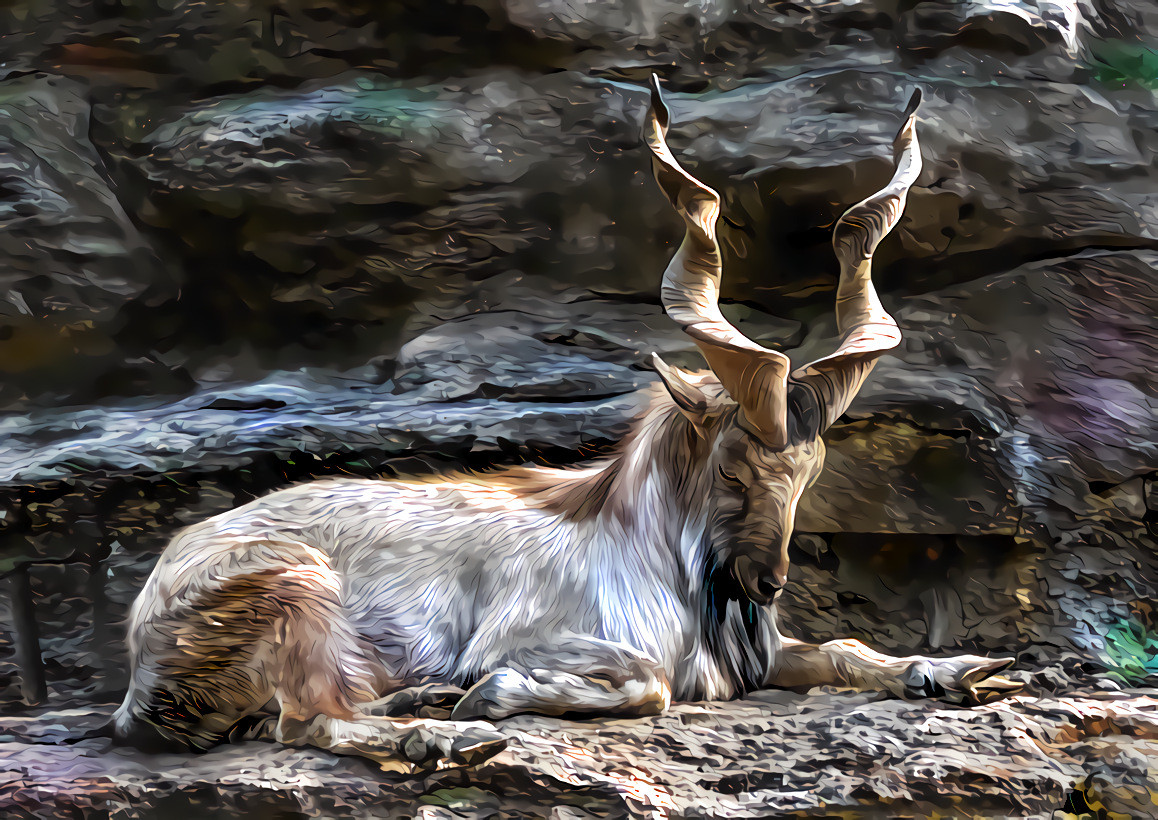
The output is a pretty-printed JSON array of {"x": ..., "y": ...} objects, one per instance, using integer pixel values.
[{"x": 728, "y": 476}]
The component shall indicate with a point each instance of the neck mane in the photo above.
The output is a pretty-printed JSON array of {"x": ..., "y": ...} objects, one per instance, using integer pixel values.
[
  {"x": 660, "y": 478},
  {"x": 662, "y": 449}
]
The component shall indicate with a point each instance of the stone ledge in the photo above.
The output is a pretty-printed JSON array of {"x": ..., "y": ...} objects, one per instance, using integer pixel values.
[{"x": 825, "y": 753}]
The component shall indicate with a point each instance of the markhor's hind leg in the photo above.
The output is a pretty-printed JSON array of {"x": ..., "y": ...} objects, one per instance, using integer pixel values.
[
  {"x": 326, "y": 678},
  {"x": 395, "y": 745},
  {"x": 207, "y": 666},
  {"x": 198, "y": 674},
  {"x": 317, "y": 709}
]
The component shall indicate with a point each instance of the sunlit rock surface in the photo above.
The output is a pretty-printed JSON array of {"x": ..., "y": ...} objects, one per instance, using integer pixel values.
[{"x": 816, "y": 755}]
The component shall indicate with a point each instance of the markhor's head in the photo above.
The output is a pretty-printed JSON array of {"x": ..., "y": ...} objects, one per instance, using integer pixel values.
[{"x": 763, "y": 419}]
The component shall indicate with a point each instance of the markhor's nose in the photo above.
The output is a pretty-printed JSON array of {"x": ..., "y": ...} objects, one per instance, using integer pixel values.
[{"x": 760, "y": 583}]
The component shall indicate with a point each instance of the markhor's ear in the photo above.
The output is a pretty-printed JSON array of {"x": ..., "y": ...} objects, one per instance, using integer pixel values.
[{"x": 685, "y": 389}]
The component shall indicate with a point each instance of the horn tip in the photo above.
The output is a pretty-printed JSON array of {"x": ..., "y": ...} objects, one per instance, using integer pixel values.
[
  {"x": 908, "y": 132},
  {"x": 914, "y": 103},
  {"x": 657, "y": 103}
]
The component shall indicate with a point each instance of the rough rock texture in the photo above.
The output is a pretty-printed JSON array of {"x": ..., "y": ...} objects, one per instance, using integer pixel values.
[
  {"x": 246, "y": 244},
  {"x": 72, "y": 256},
  {"x": 824, "y": 754}
]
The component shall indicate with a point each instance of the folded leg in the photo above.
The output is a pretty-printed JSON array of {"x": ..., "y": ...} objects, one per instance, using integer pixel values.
[{"x": 585, "y": 676}]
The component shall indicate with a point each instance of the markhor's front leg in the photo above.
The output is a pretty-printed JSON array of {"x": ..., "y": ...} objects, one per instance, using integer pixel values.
[
  {"x": 581, "y": 676},
  {"x": 965, "y": 679}
]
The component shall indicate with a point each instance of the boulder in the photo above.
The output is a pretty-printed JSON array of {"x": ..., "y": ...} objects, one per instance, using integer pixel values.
[{"x": 73, "y": 259}]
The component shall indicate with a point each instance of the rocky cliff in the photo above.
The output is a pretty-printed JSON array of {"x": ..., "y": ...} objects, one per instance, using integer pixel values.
[{"x": 245, "y": 244}]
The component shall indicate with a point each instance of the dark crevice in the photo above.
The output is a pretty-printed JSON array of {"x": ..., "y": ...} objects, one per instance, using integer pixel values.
[
  {"x": 1076, "y": 804},
  {"x": 506, "y": 394},
  {"x": 911, "y": 277}
]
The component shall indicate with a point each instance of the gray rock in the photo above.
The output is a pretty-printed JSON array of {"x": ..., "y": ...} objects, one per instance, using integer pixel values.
[
  {"x": 1023, "y": 409},
  {"x": 825, "y": 752},
  {"x": 289, "y": 412},
  {"x": 72, "y": 258},
  {"x": 428, "y": 189}
]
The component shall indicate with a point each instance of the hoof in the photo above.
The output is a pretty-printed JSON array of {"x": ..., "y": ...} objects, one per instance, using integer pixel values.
[
  {"x": 993, "y": 689},
  {"x": 920, "y": 682},
  {"x": 466, "y": 747},
  {"x": 475, "y": 746},
  {"x": 967, "y": 680},
  {"x": 485, "y": 699}
]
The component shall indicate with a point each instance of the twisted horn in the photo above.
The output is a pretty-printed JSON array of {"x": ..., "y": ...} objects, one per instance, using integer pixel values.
[
  {"x": 868, "y": 330},
  {"x": 754, "y": 376}
]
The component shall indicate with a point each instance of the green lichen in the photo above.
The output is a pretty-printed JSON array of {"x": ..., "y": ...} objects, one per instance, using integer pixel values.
[
  {"x": 1125, "y": 65},
  {"x": 1132, "y": 651}
]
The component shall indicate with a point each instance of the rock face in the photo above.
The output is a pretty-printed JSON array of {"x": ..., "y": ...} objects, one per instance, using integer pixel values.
[
  {"x": 72, "y": 256},
  {"x": 246, "y": 244}
]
